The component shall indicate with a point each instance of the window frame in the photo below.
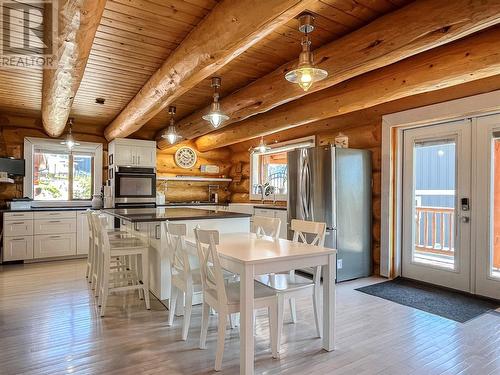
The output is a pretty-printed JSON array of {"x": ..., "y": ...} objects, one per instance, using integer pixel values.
[
  {"x": 31, "y": 144},
  {"x": 275, "y": 149}
]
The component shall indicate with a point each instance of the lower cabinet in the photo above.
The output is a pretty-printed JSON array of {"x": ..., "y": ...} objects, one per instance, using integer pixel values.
[
  {"x": 18, "y": 248},
  {"x": 54, "y": 245}
]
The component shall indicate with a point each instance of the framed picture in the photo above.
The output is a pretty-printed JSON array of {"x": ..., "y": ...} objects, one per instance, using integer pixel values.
[
  {"x": 110, "y": 173},
  {"x": 110, "y": 157}
]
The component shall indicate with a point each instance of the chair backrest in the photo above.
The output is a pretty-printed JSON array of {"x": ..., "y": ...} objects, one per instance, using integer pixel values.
[
  {"x": 302, "y": 228},
  {"x": 176, "y": 247},
  {"x": 266, "y": 226},
  {"x": 211, "y": 270},
  {"x": 99, "y": 223}
]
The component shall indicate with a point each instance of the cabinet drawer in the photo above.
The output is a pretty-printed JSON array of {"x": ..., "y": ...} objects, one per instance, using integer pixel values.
[
  {"x": 263, "y": 212},
  {"x": 18, "y": 228},
  {"x": 46, "y": 246},
  {"x": 55, "y": 215},
  {"x": 55, "y": 226},
  {"x": 17, "y": 248},
  {"x": 16, "y": 216}
]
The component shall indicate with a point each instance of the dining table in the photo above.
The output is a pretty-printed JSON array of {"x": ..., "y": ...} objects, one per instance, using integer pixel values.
[{"x": 250, "y": 255}]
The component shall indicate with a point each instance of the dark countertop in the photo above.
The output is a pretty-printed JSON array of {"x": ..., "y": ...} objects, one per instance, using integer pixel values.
[
  {"x": 140, "y": 215},
  {"x": 34, "y": 209},
  {"x": 180, "y": 204},
  {"x": 270, "y": 207}
]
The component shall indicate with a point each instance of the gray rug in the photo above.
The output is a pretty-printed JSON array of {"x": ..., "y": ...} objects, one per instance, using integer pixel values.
[{"x": 456, "y": 306}]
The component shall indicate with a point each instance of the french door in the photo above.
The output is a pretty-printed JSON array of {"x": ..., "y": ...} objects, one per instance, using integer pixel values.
[
  {"x": 436, "y": 213},
  {"x": 451, "y": 205}
]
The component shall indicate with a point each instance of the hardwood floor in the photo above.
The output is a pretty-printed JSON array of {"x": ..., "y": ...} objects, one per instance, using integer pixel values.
[{"x": 49, "y": 324}]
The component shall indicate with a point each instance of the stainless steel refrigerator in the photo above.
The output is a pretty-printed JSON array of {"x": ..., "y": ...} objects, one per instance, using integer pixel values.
[{"x": 334, "y": 185}]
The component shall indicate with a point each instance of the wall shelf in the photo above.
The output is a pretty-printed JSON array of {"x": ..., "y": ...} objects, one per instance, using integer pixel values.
[{"x": 189, "y": 178}]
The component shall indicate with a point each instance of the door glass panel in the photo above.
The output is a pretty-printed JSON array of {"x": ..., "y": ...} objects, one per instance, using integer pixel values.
[
  {"x": 495, "y": 238},
  {"x": 434, "y": 203}
]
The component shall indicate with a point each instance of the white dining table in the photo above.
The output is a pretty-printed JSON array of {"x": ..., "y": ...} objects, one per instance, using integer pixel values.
[{"x": 249, "y": 255}]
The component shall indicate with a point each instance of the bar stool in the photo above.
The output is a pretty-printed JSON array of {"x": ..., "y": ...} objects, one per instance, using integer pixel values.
[{"x": 120, "y": 277}]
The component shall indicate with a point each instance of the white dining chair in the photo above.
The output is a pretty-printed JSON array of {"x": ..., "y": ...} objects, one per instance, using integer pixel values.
[
  {"x": 286, "y": 285},
  {"x": 117, "y": 278},
  {"x": 266, "y": 226},
  {"x": 184, "y": 278},
  {"x": 224, "y": 297}
]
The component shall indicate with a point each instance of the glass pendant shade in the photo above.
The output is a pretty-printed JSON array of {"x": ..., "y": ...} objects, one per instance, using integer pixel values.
[
  {"x": 171, "y": 134},
  {"x": 216, "y": 117},
  {"x": 262, "y": 147},
  {"x": 306, "y": 72},
  {"x": 305, "y": 76},
  {"x": 70, "y": 141}
]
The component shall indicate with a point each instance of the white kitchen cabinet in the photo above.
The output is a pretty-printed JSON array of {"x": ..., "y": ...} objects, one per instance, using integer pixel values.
[
  {"x": 123, "y": 155},
  {"x": 18, "y": 228},
  {"x": 146, "y": 156},
  {"x": 15, "y": 216},
  {"x": 55, "y": 226},
  {"x": 17, "y": 248},
  {"x": 264, "y": 212},
  {"x": 54, "y": 245},
  {"x": 82, "y": 233},
  {"x": 132, "y": 152},
  {"x": 55, "y": 215}
]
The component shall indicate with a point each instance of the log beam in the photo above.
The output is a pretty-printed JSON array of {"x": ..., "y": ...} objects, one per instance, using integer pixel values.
[
  {"x": 229, "y": 30},
  {"x": 77, "y": 24},
  {"x": 466, "y": 60},
  {"x": 376, "y": 45}
]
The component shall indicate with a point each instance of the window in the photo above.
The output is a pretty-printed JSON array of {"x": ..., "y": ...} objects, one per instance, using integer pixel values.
[
  {"x": 269, "y": 170},
  {"x": 58, "y": 175},
  {"x": 62, "y": 176}
]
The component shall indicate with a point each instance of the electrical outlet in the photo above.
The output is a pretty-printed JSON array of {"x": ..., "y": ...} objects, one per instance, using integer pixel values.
[{"x": 339, "y": 264}]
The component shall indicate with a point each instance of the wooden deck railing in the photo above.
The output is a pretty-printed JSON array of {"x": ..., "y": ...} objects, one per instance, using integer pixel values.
[{"x": 435, "y": 230}]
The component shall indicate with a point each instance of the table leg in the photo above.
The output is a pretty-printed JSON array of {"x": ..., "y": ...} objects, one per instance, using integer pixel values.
[
  {"x": 329, "y": 303},
  {"x": 246, "y": 320}
]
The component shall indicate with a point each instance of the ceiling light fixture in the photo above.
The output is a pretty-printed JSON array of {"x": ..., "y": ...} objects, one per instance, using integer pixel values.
[
  {"x": 262, "y": 147},
  {"x": 305, "y": 74},
  {"x": 70, "y": 141},
  {"x": 216, "y": 117},
  {"x": 171, "y": 135}
]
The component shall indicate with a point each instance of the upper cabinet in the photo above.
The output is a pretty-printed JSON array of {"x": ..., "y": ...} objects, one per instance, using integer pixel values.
[{"x": 136, "y": 152}]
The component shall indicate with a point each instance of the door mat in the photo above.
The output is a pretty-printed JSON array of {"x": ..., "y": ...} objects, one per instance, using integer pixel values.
[{"x": 449, "y": 304}]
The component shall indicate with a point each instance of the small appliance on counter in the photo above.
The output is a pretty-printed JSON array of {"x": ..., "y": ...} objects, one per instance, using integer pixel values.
[
  {"x": 160, "y": 198},
  {"x": 20, "y": 204}
]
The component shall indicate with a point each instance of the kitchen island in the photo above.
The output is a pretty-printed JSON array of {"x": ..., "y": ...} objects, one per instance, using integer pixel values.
[{"x": 147, "y": 223}]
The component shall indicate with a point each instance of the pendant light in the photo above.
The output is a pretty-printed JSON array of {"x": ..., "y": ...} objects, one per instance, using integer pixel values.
[
  {"x": 305, "y": 74},
  {"x": 262, "y": 147},
  {"x": 171, "y": 135},
  {"x": 216, "y": 117},
  {"x": 70, "y": 141}
]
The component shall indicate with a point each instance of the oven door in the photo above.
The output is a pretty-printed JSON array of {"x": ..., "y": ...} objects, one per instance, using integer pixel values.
[{"x": 135, "y": 187}]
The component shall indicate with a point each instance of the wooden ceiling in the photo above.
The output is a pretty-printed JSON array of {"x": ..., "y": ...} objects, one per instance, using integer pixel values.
[{"x": 135, "y": 38}]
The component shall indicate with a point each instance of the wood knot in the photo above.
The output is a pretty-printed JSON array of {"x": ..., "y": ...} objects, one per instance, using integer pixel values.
[{"x": 374, "y": 43}]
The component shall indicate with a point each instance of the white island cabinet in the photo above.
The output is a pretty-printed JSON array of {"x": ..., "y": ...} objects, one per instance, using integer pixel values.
[{"x": 147, "y": 223}]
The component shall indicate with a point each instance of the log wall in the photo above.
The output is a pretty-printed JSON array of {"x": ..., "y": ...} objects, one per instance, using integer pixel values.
[{"x": 176, "y": 191}]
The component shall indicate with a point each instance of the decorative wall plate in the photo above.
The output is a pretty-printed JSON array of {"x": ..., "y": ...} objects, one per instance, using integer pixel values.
[{"x": 185, "y": 157}]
